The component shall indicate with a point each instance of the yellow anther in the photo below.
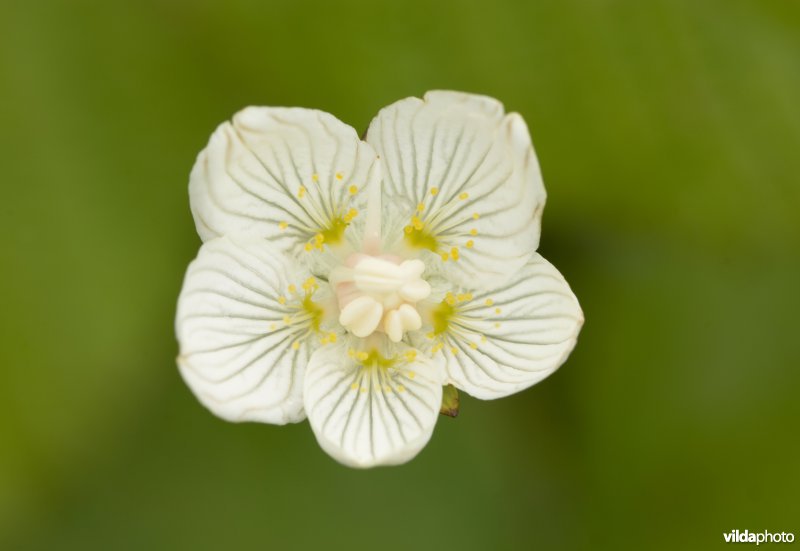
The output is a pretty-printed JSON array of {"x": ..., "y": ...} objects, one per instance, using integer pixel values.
[
  {"x": 295, "y": 345},
  {"x": 315, "y": 177},
  {"x": 445, "y": 257},
  {"x": 283, "y": 225},
  {"x": 301, "y": 192},
  {"x": 473, "y": 345},
  {"x": 361, "y": 356},
  {"x": 354, "y": 386},
  {"x": 411, "y": 355},
  {"x": 489, "y": 302},
  {"x": 408, "y": 229},
  {"x": 339, "y": 176},
  {"x": 450, "y": 299},
  {"x": 454, "y": 253},
  {"x": 353, "y": 190},
  {"x": 420, "y": 207},
  {"x": 308, "y": 247},
  {"x": 453, "y": 350},
  {"x": 332, "y": 337},
  {"x": 476, "y": 216},
  {"x": 434, "y": 190},
  {"x": 319, "y": 239},
  {"x": 292, "y": 288},
  {"x": 462, "y": 297},
  {"x": 411, "y": 374},
  {"x": 282, "y": 300},
  {"x": 352, "y": 213},
  {"x": 464, "y": 196},
  {"x": 436, "y": 347},
  {"x": 473, "y": 231},
  {"x": 401, "y": 388},
  {"x": 497, "y": 310},
  {"x": 430, "y": 335},
  {"x": 417, "y": 223},
  {"x": 470, "y": 244}
]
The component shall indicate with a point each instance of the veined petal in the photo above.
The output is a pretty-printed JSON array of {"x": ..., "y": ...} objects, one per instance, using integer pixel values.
[
  {"x": 247, "y": 323},
  {"x": 472, "y": 177},
  {"x": 295, "y": 176},
  {"x": 500, "y": 342},
  {"x": 366, "y": 410}
]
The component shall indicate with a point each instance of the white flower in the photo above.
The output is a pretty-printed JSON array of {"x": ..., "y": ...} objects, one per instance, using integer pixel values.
[{"x": 349, "y": 280}]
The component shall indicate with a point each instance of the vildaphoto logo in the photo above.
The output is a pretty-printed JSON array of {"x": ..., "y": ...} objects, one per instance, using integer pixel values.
[{"x": 746, "y": 536}]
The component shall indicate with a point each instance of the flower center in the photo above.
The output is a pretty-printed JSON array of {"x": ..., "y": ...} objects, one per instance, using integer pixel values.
[{"x": 379, "y": 293}]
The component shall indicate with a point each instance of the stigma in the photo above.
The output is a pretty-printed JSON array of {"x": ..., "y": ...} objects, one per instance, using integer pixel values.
[{"x": 379, "y": 293}]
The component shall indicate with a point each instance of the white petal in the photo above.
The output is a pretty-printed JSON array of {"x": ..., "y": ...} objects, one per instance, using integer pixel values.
[
  {"x": 282, "y": 173},
  {"x": 506, "y": 340},
  {"x": 237, "y": 353},
  {"x": 371, "y": 415},
  {"x": 474, "y": 174}
]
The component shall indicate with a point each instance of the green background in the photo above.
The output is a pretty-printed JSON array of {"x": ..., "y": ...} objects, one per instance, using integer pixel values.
[{"x": 669, "y": 136}]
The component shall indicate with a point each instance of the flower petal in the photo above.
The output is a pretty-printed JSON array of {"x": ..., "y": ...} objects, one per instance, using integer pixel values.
[
  {"x": 472, "y": 178},
  {"x": 365, "y": 412},
  {"x": 245, "y": 323},
  {"x": 500, "y": 342},
  {"x": 288, "y": 174}
]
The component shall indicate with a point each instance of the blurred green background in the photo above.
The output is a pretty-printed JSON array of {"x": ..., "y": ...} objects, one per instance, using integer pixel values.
[{"x": 669, "y": 136}]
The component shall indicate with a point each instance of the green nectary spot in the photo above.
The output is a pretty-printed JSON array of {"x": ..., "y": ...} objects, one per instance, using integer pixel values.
[
  {"x": 375, "y": 358},
  {"x": 441, "y": 317},
  {"x": 421, "y": 239},
  {"x": 333, "y": 234},
  {"x": 314, "y": 311}
]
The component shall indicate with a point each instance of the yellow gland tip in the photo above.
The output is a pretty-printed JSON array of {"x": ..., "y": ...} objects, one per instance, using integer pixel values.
[
  {"x": 420, "y": 207},
  {"x": 476, "y": 216},
  {"x": 473, "y": 231},
  {"x": 353, "y": 190},
  {"x": 315, "y": 177},
  {"x": 292, "y": 288},
  {"x": 434, "y": 190},
  {"x": 489, "y": 302},
  {"x": 301, "y": 192},
  {"x": 339, "y": 176},
  {"x": 295, "y": 345},
  {"x": 470, "y": 244},
  {"x": 282, "y": 300},
  {"x": 454, "y": 253},
  {"x": 283, "y": 225},
  {"x": 464, "y": 196}
]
